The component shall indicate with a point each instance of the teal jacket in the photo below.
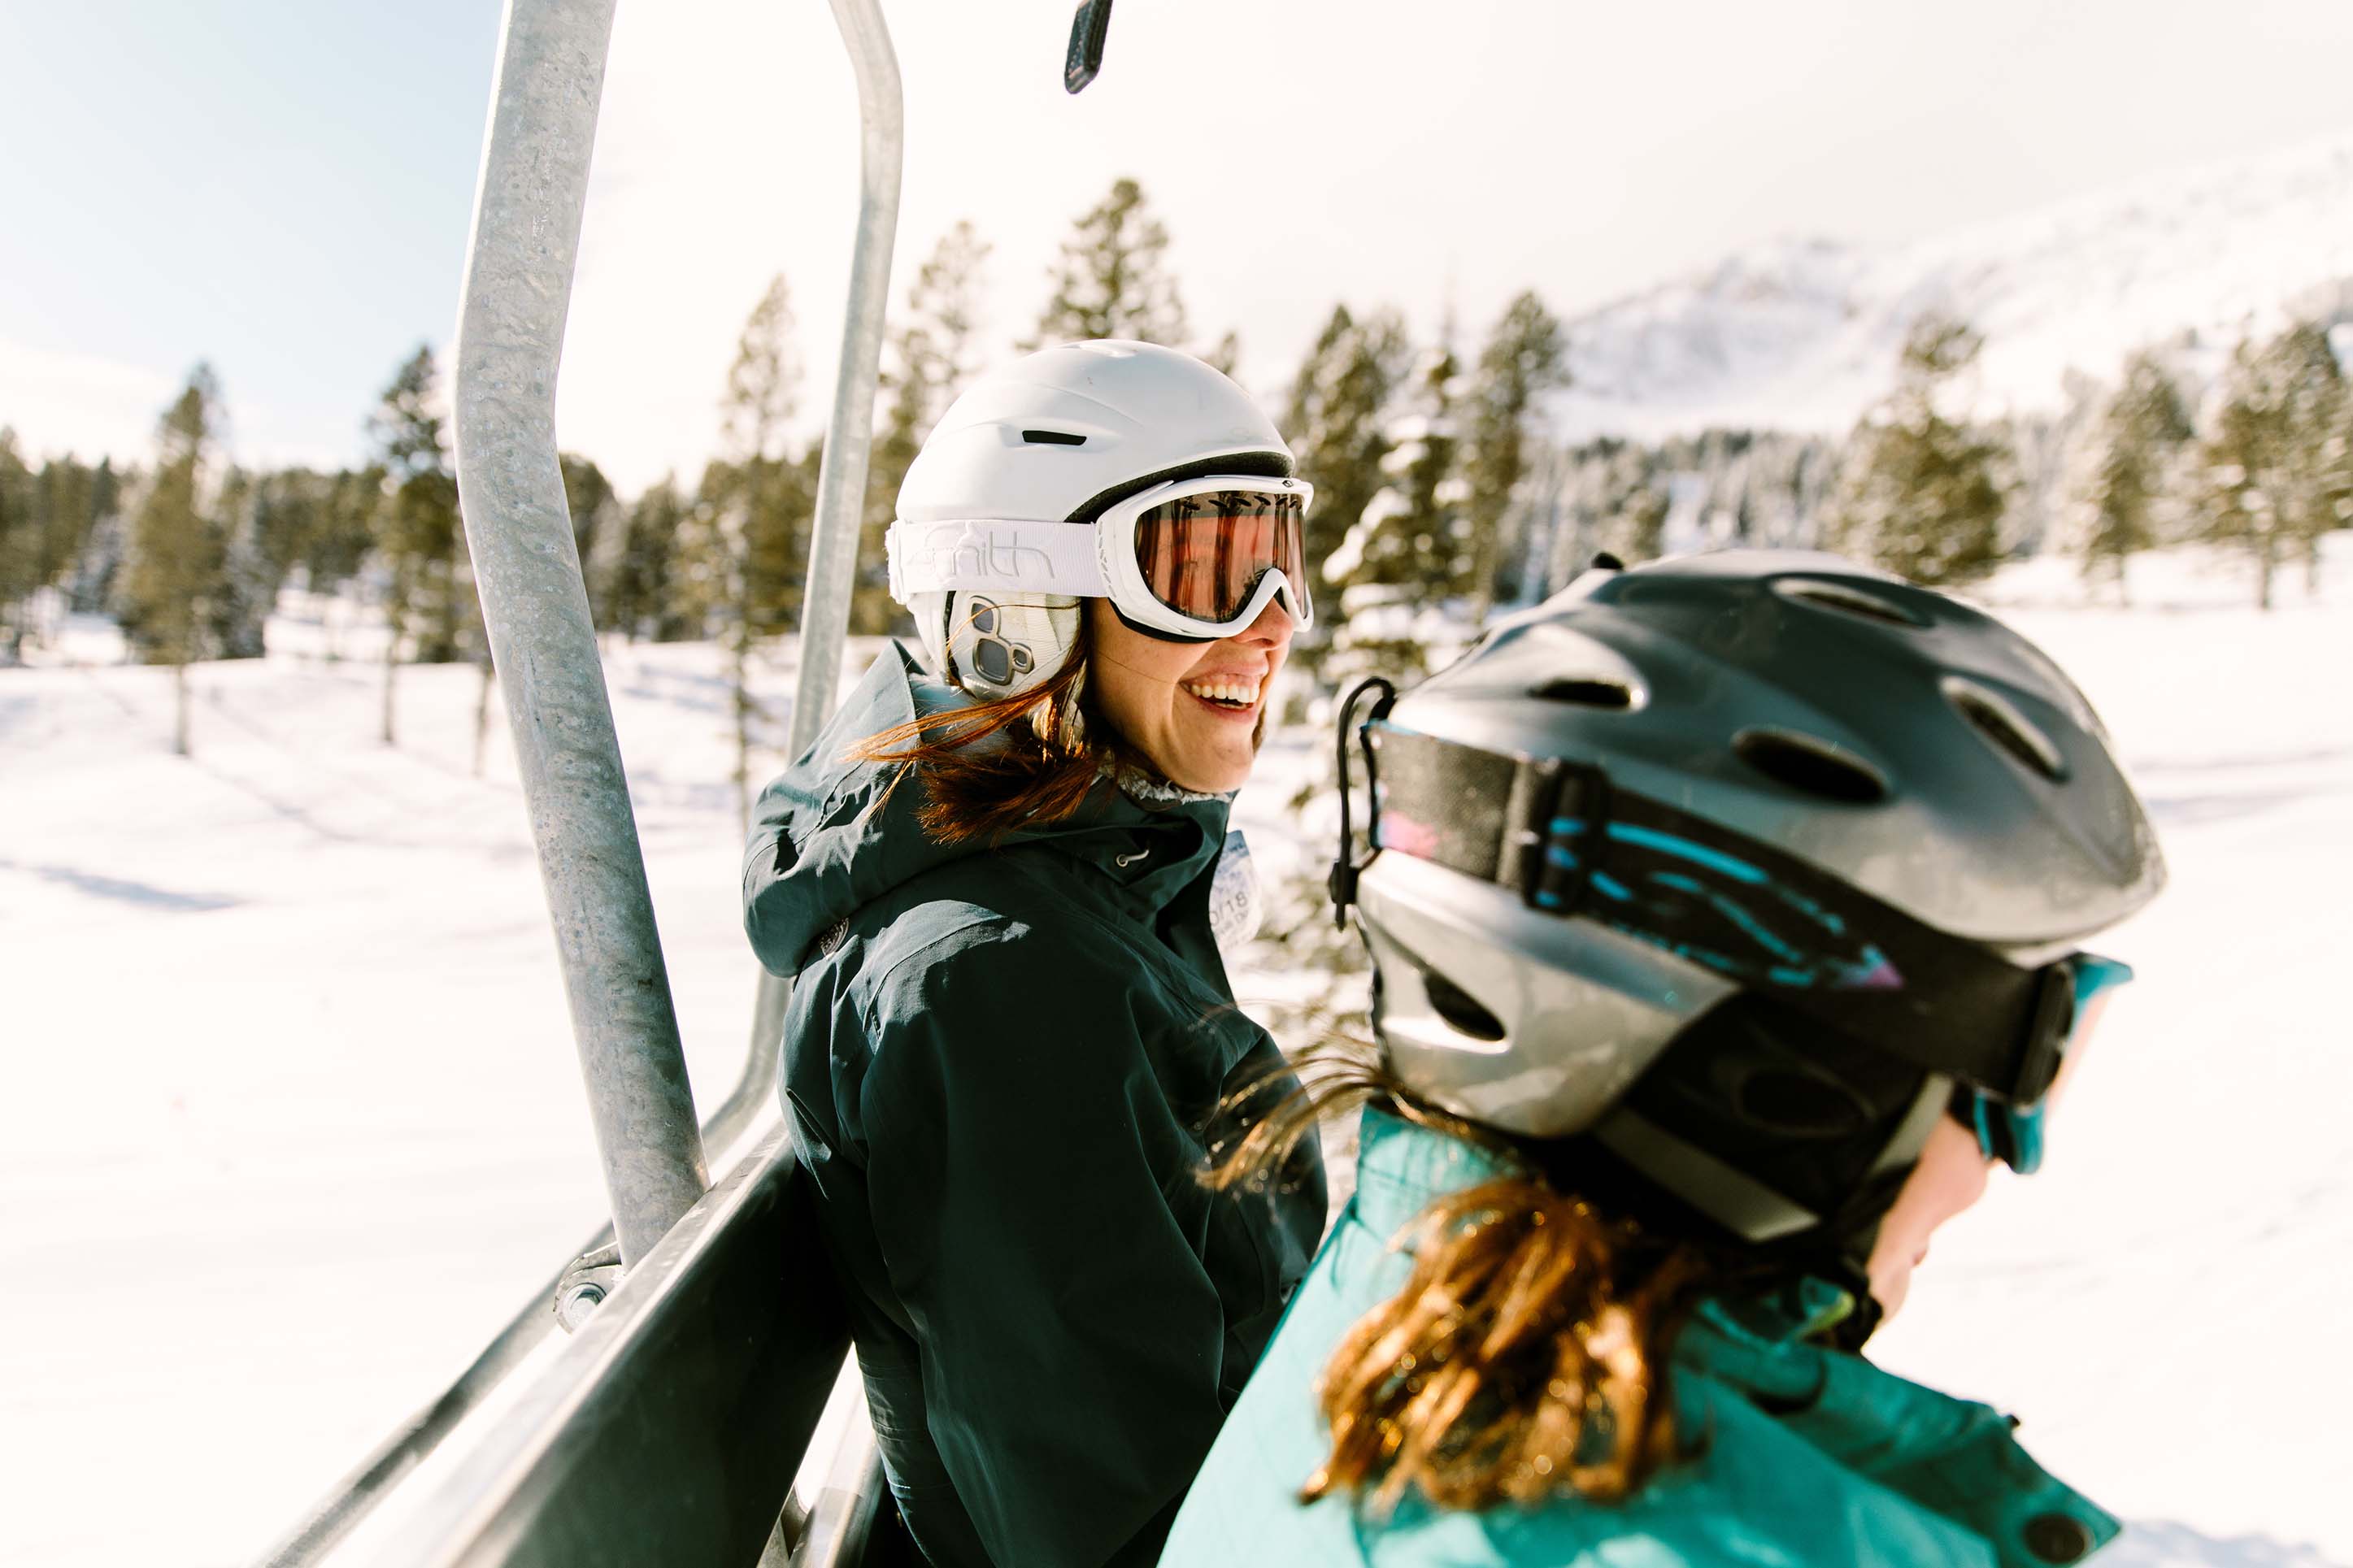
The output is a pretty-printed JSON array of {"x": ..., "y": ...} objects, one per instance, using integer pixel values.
[
  {"x": 998, "y": 1067},
  {"x": 1806, "y": 1457}
]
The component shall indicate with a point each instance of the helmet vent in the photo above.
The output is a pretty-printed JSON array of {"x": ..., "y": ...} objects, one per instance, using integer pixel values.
[
  {"x": 1811, "y": 766},
  {"x": 1849, "y": 601},
  {"x": 1460, "y": 1008},
  {"x": 1588, "y": 693},
  {"x": 1052, "y": 438},
  {"x": 1999, "y": 721}
]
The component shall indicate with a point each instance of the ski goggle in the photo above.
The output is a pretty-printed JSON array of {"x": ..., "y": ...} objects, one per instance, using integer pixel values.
[
  {"x": 2013, "y": 1133},
  {"x": 1192, "y": 560}
]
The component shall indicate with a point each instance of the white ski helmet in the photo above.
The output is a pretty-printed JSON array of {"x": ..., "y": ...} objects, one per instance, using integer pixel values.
[{"x": 1057, "y": 436}]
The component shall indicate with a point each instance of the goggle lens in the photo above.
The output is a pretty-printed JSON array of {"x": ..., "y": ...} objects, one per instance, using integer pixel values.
[{"x": 1204, "y": 556}]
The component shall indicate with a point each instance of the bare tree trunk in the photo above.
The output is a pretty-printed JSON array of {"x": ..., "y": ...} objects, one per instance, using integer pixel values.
[
  {"x": 2266, "y": 562},
  {"x": 482, "y": 716},
  {"x": 180, "y": 708},
  {"x": 391, "y": 664},
  {"x": 742, "y": 660}
]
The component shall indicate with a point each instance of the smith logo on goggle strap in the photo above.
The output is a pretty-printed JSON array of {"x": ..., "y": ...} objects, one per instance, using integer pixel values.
[{"x": 960, "y": 550}]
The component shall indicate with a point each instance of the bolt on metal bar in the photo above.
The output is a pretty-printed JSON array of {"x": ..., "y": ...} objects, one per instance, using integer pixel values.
[
  {"x": 849, "y": 441},
  {"x": 518, "y": 289}
]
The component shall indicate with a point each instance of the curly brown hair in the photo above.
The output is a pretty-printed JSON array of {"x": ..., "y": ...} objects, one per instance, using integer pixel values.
[
  {"x": 1527, "y": 1354},
  {"x": 989, "y": 767}
]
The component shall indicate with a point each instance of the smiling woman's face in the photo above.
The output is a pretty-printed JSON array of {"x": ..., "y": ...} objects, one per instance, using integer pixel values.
[{"x": 1195, "y": 711}]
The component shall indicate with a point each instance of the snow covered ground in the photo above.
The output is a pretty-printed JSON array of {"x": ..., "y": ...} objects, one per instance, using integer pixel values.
[{"x": 290, "y": 1121}]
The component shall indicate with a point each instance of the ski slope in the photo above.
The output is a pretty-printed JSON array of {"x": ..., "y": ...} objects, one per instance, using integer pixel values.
[{"x": 290, "y": 1121}]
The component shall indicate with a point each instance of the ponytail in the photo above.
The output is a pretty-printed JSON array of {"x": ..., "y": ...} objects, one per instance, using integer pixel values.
[{"x": 1528, "y": 1354}]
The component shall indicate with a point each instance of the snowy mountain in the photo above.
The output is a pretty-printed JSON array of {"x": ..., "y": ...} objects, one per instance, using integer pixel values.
[{"x": 1803, "y": 334}]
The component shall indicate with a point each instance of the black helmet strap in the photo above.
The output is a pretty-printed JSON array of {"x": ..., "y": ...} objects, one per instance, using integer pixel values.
[
  {"x": 1570, "y": 844},
  {"x": 1346, "y": 867}
]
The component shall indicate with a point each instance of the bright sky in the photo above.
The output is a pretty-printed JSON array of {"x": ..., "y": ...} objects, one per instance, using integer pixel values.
[{"x": 283, "y": 188}]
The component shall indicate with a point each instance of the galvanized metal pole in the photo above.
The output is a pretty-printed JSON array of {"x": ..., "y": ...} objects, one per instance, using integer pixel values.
[
  {"x": 849, "y": 439},
  {"x": 841, "y": 476},
  {"x": 526, "y": 232}
]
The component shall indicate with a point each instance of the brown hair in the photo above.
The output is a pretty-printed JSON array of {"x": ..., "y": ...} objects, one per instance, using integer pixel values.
[
  {"x": 989, "y": 767},
  {"x": 1526, "y": 1356}
]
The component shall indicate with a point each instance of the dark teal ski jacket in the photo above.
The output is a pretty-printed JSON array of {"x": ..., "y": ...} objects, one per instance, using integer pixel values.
[
  {"x": 999, "y": 1066},
  {"x": 1803, "y": 1455}
]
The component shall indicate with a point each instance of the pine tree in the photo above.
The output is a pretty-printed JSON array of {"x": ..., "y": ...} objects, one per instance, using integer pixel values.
[
  {"x": 97, "y": 565},
  {"x": 1637, "y": 530},
  {"x": 45, "y": 517},
  {"x": 248, "y": 590},
  {"x": 418, "y": 535},
  {"x": 1337, "y": 427},
  {"x": 173, "y": 569},
  {"x": 1111, "y": 278},
  {"x": 1225, "y": 355},
  {"x": 748, "y": 528},
  {"x": 333, "y": 552},
  {"x": 931, "y": 358},
  {"x": 1525, "y": 355},
  {"x": 589, "y": 497},
  {"x": 1922, "y": 495},
  {"x": 2239, "y": 461},
  {"x": 1431, "y": 529},
  {"x": 71, "y": 498},
  {"x": 1411, "y": 533},
  {"x": 2277, "y": 470},
  {"x": 782, "y": 518},
  {"x": 632, "y": 581},
  {"x": 290, "y": 506},
  {"x": 20, "y": 547},
  {"x": 2133, "y": 446},
  {"x": 2318, "y": 410}
]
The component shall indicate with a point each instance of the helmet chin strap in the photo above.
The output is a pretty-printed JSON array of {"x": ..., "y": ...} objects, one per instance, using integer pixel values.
[{"x": 1341, "y": 884}]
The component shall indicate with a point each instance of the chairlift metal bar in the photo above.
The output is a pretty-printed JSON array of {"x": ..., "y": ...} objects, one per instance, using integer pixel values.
[
  {"x": 334, "y": 1515},
  {"x": 518, "y": 289},
  {"x": 850, "y": 438},
  {"x": 542, "y": 122},
  {"x": 842, "y": 471},
  {"x": 666, "y": 1429}
]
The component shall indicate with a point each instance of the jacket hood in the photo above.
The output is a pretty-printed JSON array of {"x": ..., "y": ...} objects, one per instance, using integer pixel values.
[{"x": 825, "y": 841}]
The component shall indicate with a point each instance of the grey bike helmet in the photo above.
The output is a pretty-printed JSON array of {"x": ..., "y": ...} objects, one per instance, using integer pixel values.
[{"x": 1735, "y": 866}]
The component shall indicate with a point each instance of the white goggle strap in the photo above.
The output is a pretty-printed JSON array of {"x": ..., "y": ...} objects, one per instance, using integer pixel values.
[{"x": 984, "y": 554}]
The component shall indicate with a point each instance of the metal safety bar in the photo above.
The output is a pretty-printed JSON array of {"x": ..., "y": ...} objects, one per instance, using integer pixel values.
[
  {"x": 518, "y": 289},
  {"x": 526, "y": 228},
  {"x": 849, "y": 440}
]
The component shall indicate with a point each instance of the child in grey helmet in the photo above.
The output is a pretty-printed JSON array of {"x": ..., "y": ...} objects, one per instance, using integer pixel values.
[{"x": 1726, "y": 918}]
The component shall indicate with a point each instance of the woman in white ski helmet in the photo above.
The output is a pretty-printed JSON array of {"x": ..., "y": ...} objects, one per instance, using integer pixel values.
[
  {"x": 1725, "y": 918},
  {"x": 999, "y": 881}
]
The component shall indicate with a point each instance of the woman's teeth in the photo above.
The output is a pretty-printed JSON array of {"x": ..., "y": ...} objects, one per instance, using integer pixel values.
[{"x": 1228, "y": 693}]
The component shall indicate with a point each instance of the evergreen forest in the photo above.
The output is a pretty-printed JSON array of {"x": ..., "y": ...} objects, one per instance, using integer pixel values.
[{"x": 1439, "y": 478}]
